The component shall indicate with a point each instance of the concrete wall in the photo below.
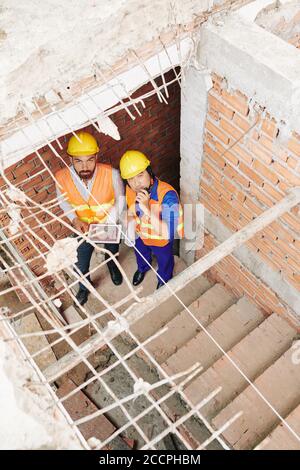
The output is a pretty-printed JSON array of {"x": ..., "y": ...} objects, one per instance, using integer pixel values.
[{"x": 31, "y": 419}]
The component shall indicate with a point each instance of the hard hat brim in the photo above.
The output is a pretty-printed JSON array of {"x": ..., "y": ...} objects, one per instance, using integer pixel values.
[
  {"x": 83, "y": 153},
  {"x": 134, "y": 173}
]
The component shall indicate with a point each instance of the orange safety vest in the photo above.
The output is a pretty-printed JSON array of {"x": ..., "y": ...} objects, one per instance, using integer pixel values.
[
  {"x": 145, "y": 230},
  {"x": 100, "y": 201}
]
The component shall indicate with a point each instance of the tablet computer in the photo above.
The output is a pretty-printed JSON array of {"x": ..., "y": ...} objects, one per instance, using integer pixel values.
[{"x": 104, "y": 233}]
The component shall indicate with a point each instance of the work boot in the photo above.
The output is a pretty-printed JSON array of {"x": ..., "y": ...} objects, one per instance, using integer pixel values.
[
  {"x": 82, "y": 296},
  {"x": 138, "y": 277},
  {"x": 115, "y": 274}
]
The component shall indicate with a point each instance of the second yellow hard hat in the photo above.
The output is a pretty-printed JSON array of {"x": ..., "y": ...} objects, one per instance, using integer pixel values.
[{"x": 132, "y": 163}]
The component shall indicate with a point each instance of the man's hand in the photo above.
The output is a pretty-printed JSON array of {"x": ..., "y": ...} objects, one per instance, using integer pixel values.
[
  {"x": 80, "y": 225},
  {"x": 143, "y": 199}
]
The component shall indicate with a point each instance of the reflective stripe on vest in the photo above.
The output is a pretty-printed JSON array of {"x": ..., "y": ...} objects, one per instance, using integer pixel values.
[
  {"x": 145, "y": 229},
  {"x": 102, "y": 192}
]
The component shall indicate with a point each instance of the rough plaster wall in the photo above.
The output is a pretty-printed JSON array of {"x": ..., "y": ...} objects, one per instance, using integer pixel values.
[
  {"x": 281, "y": 19},
  {"x": 42, "y": 45},
  {"x": 29, "y": 419}
]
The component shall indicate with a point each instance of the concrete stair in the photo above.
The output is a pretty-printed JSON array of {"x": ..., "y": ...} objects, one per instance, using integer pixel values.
[
  {"x": 159, "y": 317},
  {"x": 282, "y": 438},
  {"x": 253, "y": 354},
  {"x": 260, "y": 346},
  {"x": 182, "y": 327},
  {"x": 228, "y": 329},
  {"x": 34, "y": 344},
  {"x": 280, "y": 385}
]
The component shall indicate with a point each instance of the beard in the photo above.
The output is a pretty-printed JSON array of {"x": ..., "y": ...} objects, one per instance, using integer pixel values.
[{"x": 86, "y": 175}]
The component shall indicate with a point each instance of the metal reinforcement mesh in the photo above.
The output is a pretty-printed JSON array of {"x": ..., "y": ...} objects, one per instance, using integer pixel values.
[{"x": 81, "y": 337}]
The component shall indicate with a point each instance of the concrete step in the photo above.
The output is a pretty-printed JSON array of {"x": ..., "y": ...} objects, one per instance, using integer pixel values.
[
  {"x": 34, "y": 344},
  {"x": 253, "y": 354},
  {"x": 183, "y": 327},
  {"x": 166, "y": 311},
  {"x": 280, "y": 385},
  {"x": 228, "y": 329},
  {"x": 71, "y": 315},
  {"x": 282, "y": 438}
]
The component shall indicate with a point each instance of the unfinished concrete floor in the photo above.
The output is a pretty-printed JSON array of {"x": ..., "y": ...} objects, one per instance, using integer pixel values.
[{"x": 114, "y": 293}]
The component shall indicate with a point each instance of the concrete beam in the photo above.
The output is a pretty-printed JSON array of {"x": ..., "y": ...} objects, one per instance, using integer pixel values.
[{"x": 254, "y": 61}]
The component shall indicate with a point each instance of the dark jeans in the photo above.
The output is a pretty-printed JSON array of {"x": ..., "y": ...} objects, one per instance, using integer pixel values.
[{"x": 84, "y": 253}]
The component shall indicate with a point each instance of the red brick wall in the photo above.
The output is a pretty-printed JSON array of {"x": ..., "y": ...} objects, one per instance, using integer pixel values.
[
  {"x": 239, "y": 183},
  {"x": 156, "y": 133}
]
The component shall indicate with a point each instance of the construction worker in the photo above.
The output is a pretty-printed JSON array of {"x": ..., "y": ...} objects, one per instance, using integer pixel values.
[
  {"x": 92, "y": 190},
  {"x": 155, "y": 208}
]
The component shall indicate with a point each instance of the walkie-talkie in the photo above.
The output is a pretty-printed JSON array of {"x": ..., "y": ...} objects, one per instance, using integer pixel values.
[{"x": 137, "y": 206}]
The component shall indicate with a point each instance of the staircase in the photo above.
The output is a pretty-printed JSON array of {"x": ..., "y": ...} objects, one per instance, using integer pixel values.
[{"x": 261, "y": 347}]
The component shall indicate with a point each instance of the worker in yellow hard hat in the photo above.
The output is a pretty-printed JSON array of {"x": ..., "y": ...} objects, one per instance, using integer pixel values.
[
  {"x": 155, "y": 208},
  {"x": 92, "y": 190}
]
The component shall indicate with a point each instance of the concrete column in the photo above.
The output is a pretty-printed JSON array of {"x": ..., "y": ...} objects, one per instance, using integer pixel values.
[{"x": 193, "y": 114}]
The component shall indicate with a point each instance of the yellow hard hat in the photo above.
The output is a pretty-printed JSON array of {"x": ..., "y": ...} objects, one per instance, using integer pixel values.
[
  {"x": 132, "y": 163},
  {"x": 87, "y": 146}
]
